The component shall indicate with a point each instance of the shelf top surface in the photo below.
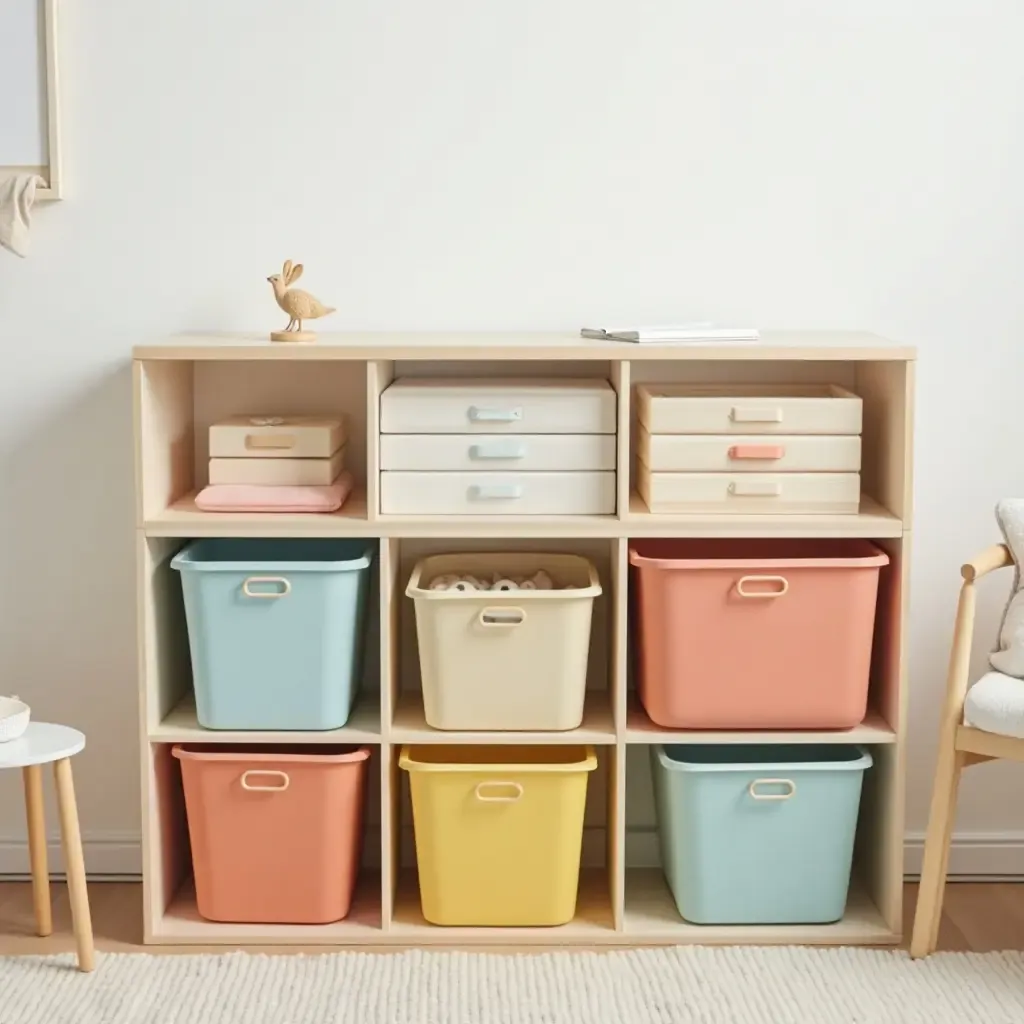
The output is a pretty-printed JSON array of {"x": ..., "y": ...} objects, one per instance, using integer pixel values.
[{"x": 468, "y": 345}]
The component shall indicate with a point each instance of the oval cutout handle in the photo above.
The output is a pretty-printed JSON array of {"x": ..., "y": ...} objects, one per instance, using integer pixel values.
[
  {"x": 788, "y": 783},
  {"x": 502, "y": 617},
  {"x": 478, "y": 415},
  {"x": 508, "y": 792},
  {"x": 286, "y": 587},
  {"x": 267, "y": 773},
  {"x": 781, "y": 585}
]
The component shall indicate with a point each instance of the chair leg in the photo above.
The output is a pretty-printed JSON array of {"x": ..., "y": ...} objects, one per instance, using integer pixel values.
[
  {"x": 74, "y": 864},
  {"x": 32, "y": 776},
  {"x": 936, "y": 851}
]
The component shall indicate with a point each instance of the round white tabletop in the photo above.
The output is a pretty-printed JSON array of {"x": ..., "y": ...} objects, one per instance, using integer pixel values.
[{"x": 41, "y": 743}]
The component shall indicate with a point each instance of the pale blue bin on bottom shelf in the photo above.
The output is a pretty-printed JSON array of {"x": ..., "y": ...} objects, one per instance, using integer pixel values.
[
  {"x": 758, "y": 834},
  {"x": 276, "y": 630}
]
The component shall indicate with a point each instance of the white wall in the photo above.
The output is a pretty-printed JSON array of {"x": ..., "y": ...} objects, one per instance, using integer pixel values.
[{"x": 459, "y": 164}]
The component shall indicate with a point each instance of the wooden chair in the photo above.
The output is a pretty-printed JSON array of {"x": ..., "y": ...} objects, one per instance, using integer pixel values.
[{"x": 960, "y": 746}]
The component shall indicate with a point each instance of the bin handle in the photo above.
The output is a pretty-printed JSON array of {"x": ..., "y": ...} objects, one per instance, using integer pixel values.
[
  {"x": 781, "y": 580},
  {"x": 283, "y": 776},
  {"x": 502, "y": 618},
  {"x": 286, "y": 587},
  {"x": 508, "y": 798},
  {"x": 790, "y": 791}
]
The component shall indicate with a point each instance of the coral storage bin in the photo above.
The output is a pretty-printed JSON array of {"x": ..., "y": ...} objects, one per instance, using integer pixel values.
[
  {"x": 755, "y": 634},
  {"x": 504, "y": 660},
  {"x": 276, "y": 834},
  {"x": 498, "y": 831},
  {"x": 758, "y": 834},
  {"x": 275, "y": 629}
]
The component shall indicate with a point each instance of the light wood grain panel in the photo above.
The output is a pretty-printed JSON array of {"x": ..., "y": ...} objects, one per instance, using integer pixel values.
[
  {"x": 164, "y": 437},
  {"x": 379, "y": 374},
  {"x": 887, "y": 390}
]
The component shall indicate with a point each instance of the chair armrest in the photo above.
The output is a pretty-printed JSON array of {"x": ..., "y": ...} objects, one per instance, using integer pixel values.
[{"x": 996, "y": 557}]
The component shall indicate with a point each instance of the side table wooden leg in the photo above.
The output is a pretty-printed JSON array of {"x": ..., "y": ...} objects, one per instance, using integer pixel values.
[
  {"x": 74, "y": 864},
  {"x": 32, "y": 776}
]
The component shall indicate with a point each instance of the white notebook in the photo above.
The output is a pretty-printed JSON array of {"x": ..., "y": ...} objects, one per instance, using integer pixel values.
[{"x": 693, "y": 333}]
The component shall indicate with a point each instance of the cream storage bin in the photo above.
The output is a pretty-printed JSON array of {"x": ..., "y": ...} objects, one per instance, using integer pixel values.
[
  {"x": 515, "y": 660},
  {"x": 499, "y": 832},
  {"x": 497, "y": 452},
  {"x": 749, "y": 449},
  {"x": 278, "y": 472},
  {"x": 414, "y": 405}
]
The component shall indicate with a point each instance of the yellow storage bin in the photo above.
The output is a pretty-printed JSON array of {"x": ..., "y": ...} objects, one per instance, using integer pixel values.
[{"x": 498, "y": 831}]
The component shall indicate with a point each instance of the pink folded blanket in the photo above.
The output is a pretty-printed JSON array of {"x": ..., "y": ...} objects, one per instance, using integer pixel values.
[{"x": 263, "y": 498}]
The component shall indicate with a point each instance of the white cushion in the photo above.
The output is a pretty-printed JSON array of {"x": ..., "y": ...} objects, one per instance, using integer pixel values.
[{"x": 995, "y": 703}]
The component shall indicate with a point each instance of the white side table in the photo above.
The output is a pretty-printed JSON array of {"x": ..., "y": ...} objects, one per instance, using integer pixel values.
[{"x": 43, "y": 743}]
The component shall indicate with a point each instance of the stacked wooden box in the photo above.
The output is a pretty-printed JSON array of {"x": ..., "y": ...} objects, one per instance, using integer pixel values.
[
  {"x": 486, "y": 447},
  {"x": 748, "y": 448},
  {"x": 303, "y": 451}
]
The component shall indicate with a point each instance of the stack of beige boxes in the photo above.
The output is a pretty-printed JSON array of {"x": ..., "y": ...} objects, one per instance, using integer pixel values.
[
  {"x": 277, "y": 451},
  {"x": 498, "y": 447},
  {"x": 748, "y": 448}
]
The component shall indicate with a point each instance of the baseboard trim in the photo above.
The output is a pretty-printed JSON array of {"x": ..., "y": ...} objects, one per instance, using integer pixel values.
[{"x": 983, "y": 855}]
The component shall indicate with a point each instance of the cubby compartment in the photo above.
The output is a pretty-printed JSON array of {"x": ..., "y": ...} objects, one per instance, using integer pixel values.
[
  {"x": 778, "y": 440},
  {"x": 171, "y": 909},
  {"x": 719, "y": 810},
  {"x": 449, "y": 822},
  {"x": 575, "y": 640},
  {"x": 178, "y": 400},
  {"x": 169, "y": 698}
]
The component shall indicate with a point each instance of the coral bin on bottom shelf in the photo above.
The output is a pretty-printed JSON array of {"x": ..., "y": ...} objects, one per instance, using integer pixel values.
[
  {"x": 276, "y": 630},
  {"x": 504, "y": 660},
  {"x": 755, "y": 634},
  {"x": 758, "y": 834},
  {"x": 276, "y": 834},
  {"x": 499, "y": 831}
]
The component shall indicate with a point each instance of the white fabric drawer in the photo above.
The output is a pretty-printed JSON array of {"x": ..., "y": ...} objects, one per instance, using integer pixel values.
[
  {"x": 506, "y": 494},
  {"x": 745, "y": 492},
  {"x": 748, "y": 409},
  {"x": 278, "y": 472},
  {"x": 478, "y": 452},
  {"x": 423, "y": 406},
  {"x": 749, "y": 453},
  {"x": 276, "y": 437}
]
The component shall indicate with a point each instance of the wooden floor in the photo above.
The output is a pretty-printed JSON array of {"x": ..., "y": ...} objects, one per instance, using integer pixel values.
[{"x": 977, "y": 916}]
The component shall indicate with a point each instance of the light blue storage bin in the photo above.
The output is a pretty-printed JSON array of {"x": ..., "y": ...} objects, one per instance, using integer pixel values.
[
  {"x": 276, "y": 630},
  {"x": 758, "y": 834}
]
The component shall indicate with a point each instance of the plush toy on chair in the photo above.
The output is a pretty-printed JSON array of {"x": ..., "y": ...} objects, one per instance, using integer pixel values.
[{"x": 980, "y": 724}]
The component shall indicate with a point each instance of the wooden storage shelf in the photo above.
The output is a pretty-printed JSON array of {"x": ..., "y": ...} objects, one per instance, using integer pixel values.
[
  {"x": 640, "y": 729},
  {"x": 180, "y": 726},
  {"x": 181, "y": 925},
  {"x": 183, "y": 519},
  {"x": 651, "y": 917},
  {"x": 409, "y": 726},
  {"x": 871, "y": 521},
  {"x": 184, "y": 384}
]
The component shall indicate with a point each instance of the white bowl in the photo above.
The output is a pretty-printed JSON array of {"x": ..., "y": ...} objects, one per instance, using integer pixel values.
[{"x": 14, "y": 716}]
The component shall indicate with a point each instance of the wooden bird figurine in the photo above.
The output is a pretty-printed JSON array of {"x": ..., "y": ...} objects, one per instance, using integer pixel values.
[{"x": 299, "y": 305}]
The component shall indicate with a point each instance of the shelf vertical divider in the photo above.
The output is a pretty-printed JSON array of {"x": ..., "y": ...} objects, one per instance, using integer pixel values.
[
  {"x": 616, "y": 827},
  {"x": 620, "y": 381},
  {"x": 390, "y": 788},
  {"x": 379, "y": 374}
]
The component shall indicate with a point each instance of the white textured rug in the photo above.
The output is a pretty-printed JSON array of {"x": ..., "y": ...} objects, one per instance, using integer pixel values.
[{"x": 660, "y": 986}]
